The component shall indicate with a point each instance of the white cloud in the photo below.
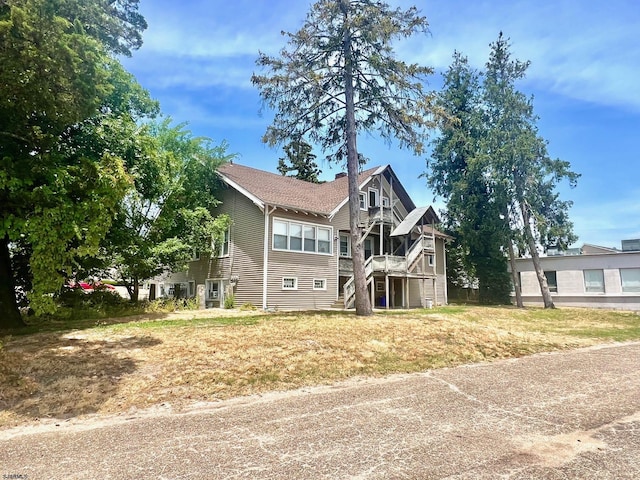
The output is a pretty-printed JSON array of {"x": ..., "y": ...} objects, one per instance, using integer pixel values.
[{"x": 584, "y": 51}]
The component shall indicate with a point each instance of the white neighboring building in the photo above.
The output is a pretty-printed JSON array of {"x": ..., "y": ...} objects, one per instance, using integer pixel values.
[{"x": 596, "y": 277}]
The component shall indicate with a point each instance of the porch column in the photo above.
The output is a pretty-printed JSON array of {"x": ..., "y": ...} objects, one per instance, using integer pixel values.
[
  {"x": 386, "y": 291},
  {"x": 405, "y": 286},
  {"x": 372, "y": 290}
]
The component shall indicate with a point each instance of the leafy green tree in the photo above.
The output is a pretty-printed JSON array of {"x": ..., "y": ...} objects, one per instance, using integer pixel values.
[
  {"x": 338, "y": 76},
  {"x": 55, "y": 75},
  {"x": 527, "y": 178},
  {"x": 301, "y": 160},
  {"x": 458, "y": 174},
  {"x": 166, "y": 214}
]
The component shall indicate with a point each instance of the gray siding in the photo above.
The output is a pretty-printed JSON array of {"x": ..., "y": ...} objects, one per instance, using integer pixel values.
[
  {"x": 245, "y": 257},
  {"x": 305, "y": 267}
]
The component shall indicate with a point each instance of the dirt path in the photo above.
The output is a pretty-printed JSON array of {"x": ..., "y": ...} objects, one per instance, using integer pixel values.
[{"x": 562, "y": 415}]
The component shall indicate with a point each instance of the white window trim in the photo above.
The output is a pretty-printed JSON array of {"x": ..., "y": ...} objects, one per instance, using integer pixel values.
[
  {"x": 330, "y": 241},
  {"x": 220, "y": 292},
  {"x": 295, "y": 283},
  {"x": 385, "y": 201},
  {"x": 324, "y": 283},
  {"x": 348, "y": 237},
  {"x": 362, "y": 196},
  {"x": 227, "y": 234},
  {"x": 376, "y": 194},
  {"x": 431, "y": 260}
]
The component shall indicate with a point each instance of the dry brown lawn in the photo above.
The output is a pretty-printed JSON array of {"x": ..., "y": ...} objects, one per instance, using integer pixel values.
[{"x": 119, "y": 367}]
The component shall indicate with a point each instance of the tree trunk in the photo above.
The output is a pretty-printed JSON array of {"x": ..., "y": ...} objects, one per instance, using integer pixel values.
[
  {"x": 515, "y": 277},
  {"x": 362, "y": 301},
  {"x": 535, "y": 257},
  {"x": 135, "y": 292},
  {"x": 9, "y": 313}
]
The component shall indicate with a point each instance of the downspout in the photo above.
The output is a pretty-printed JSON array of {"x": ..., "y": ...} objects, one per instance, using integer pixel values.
[
  {"x": 444, "y": 264},
  {"x": 265, "y": 259},
  {"x": 435, "y": 266}
]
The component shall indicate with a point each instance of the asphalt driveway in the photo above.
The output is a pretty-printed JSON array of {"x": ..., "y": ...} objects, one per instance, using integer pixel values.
[{"x": 552, "y": 416}]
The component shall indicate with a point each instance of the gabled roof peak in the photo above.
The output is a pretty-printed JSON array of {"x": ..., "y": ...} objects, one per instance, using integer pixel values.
[{"x": 266, "y": 188}]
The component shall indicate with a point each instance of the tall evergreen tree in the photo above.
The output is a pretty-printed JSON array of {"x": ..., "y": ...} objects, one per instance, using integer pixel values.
[
  {"x": 493, "y": 169},
  {"x": 338, "y": 76},
  {"x": 459, "y": 175},
  {"x": 527, "y": 178}
]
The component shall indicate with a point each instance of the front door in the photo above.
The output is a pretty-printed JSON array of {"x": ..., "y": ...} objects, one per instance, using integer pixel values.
[
  {"x": 368, "y": 247},
  {"x": 215, "y": 293}
]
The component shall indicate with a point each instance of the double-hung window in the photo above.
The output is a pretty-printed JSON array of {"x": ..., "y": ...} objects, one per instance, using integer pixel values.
[
  {"x": 345, "y": 245},
  {"x": 224, "y": 250},
  {"x": 301, "y": 237},
  {"x": 363, "y": 200}
]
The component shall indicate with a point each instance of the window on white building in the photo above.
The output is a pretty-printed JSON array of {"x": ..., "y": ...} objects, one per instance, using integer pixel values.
[
  {"x": 552, "y": 281},
  {"x": 630, "y": 278},
  {"x": 319, "y": 283},
  {"x": 594, "y": 281}
]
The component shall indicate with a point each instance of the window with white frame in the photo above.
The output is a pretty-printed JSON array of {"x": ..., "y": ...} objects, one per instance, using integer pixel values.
[
  {"x": 374, "y": 196},
  {"x": 345, "y": 245},
  {"x": 594, "y": 281},
  {"x": 289, "y": 283},
  {"x": 224, "y": 249},
  {"x": 213, "y": 289},
  {"x": 301, "y": 237},
  {"x": 385, "y": 201},
  {"x": 319, "y": 283},
  {"x": 363, "y": 200},
  {"x": 630, "y": 278}
]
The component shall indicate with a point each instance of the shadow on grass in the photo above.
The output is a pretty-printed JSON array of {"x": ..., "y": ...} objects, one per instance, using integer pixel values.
[{"x": 63, "y": 377}]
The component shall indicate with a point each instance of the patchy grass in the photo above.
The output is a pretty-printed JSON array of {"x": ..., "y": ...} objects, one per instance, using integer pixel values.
[{"x": 116, "y": 365}]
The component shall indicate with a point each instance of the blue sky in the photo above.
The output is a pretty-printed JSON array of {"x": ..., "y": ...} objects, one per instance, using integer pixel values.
[{"x": 199, "y": 55}]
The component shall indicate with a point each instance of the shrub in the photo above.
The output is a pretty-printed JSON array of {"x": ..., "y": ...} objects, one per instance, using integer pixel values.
[{"x": 229, "y": 301}]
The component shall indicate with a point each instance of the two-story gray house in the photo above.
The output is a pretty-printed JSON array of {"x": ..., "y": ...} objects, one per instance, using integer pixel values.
[{"x": 288, "y": 246}]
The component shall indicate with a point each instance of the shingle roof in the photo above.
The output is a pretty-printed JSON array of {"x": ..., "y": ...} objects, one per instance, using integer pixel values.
[{"x": 289, "y": 192}]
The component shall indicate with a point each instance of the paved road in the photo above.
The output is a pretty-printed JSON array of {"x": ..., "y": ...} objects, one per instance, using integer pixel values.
[{"x": 573, "y": 415}]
